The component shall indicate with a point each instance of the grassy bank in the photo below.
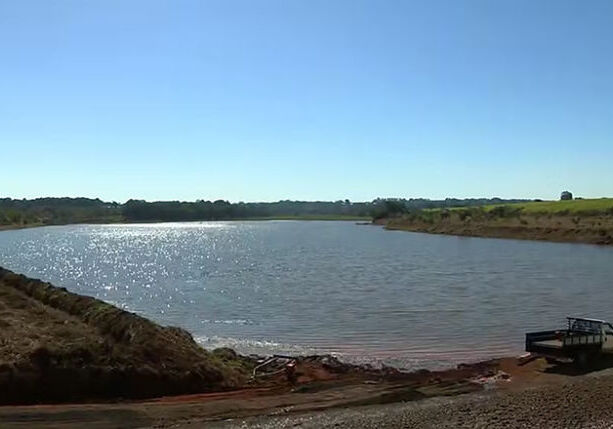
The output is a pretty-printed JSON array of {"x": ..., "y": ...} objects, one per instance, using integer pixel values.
[{"x": 583, "y": 221}]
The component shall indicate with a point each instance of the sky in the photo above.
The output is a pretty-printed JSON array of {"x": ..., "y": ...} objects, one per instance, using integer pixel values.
[{"x": 261, "y": 100}]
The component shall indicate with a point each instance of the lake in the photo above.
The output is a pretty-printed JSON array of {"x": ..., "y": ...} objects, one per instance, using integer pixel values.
[{"x": 369, "y": 295}]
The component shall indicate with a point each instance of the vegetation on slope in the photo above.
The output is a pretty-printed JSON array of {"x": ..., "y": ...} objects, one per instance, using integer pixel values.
[
  {"x": 588, "y": 221},
  {"x": 588, "y": 207},
  {"x": 60, "y": 346},
  {"x": 50, "y": 211}
]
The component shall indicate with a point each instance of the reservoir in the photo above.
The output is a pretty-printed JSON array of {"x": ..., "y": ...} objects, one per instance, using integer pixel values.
[{"x": 368, "y": 295}]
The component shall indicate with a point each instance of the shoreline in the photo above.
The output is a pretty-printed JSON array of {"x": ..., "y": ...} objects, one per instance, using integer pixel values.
[
  {"x": 50, "y": 335},
  {"x": 514, "y": 231},
  {"x": 16, "y": 227},
  {"x": 43, "y": 326},
  {"x": 556, "y": 232},
  {"x": 13, "y": 227}
]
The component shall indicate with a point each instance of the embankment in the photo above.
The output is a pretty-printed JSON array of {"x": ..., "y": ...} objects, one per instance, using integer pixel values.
[
  {"x": 58, "y": 346},
  {"x": 517, "y": 222}
]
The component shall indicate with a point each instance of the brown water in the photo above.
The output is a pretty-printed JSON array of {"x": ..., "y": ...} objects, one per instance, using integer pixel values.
[{"x": 407, "y": 299}]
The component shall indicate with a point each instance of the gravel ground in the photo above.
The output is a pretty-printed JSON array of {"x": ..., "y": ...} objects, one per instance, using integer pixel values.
[{"x": 583, "y": 403}]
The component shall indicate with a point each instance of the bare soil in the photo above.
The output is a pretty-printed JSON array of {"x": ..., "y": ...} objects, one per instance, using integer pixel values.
[{"x": 313, "y": 400}]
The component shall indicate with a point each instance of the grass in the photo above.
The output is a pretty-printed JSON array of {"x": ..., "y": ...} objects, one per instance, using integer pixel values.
[
  {"x": 585, "y": 221},
  {"x": 591, "y": 206},
  {"x": 576, "y": 209}
]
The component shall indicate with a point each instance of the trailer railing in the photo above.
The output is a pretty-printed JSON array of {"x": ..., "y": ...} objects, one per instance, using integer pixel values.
[{"x": 582, "y": 340}]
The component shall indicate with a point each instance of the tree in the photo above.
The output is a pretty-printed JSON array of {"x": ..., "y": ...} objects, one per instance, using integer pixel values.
[
  {"x": 566, "y": 195},
  {"x": 388, "y": 208}
]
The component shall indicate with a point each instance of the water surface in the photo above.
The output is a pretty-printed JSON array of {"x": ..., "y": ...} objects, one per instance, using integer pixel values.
[{"x": 407, "y": 299}]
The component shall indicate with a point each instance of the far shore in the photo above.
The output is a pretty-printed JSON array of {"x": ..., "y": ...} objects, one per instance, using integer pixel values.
[
  {"x": 553, "y": 233},
  {"x": 562, "y": 229},
  {"x": 587, "y": 221},
  {"x": 570, "y": 221},
  {"x": 16, "y": 226},
  {"x": 8, "y": 227}
]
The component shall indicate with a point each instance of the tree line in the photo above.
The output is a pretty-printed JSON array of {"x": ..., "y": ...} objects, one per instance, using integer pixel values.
[{"x": 49, "y": 211}]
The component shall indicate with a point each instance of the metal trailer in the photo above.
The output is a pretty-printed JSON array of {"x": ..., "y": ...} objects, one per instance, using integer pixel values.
[{"x": 583, "y": 341}]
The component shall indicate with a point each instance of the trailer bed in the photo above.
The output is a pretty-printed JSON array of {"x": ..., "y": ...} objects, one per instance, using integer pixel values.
[
  {"x": 582, "y": 340},
  {"x": 554, "y": 343}
]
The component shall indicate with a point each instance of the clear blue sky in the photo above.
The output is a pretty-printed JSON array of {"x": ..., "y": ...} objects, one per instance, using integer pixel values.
[{"x": 259, "y": 100}]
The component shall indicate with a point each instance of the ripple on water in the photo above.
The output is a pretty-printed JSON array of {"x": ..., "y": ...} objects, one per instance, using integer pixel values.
[{"x": 315, "y": 287}]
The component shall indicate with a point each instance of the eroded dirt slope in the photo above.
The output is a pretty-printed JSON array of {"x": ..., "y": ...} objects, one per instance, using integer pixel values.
[{"x": 60, "y": 346}]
